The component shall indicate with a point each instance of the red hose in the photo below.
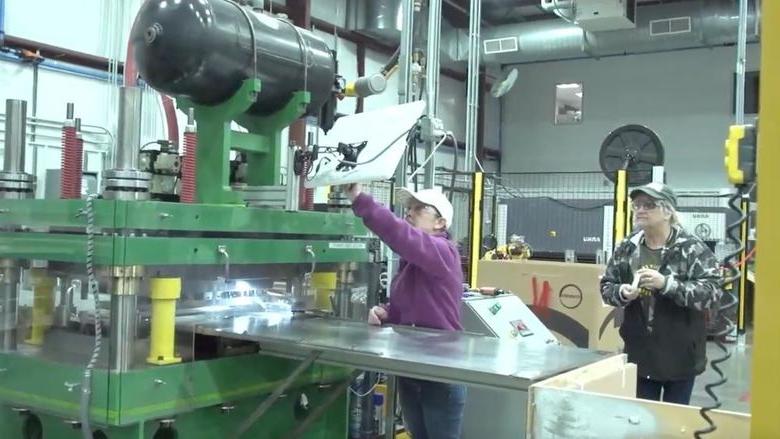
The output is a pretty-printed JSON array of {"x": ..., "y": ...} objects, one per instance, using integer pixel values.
[
  {"x": 189, "y": 163},
  {"x": 170, "y": 119},
  {"x": 70, "y": 164}
]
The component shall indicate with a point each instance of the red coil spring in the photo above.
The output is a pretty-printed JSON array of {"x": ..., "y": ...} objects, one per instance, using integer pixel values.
[
  {"x": 305, "y": 196},
  {"x": 71, "y": 163},
  {"x": 189, "y": 162}
]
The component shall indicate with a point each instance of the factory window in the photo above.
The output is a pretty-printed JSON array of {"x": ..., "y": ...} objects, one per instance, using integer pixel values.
[{"x": 568, "y": 103}]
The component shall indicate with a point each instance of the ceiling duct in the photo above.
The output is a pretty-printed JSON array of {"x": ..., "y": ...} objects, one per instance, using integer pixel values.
[
  {"x": 380, "y": 19},
  {"x": 691, "y": 24}
]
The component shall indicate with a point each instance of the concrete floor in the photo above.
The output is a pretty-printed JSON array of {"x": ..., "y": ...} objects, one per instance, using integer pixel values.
[{"x": 735, "y": 394}]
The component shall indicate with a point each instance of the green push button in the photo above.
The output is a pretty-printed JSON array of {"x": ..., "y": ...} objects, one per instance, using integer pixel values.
[{"x": 495, "y": 308}]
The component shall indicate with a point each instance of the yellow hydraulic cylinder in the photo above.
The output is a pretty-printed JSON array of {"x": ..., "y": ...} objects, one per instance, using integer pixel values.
[
  {"x": 164, "y": 292},
  {"x": 43, "y": 305}
]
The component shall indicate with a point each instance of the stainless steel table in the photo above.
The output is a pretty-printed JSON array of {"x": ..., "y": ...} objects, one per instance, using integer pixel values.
[{"x": 405, "y": 351}]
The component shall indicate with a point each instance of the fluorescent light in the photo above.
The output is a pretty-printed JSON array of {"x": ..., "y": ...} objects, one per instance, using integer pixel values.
[
  {"x": 243, "y": 286},
  {"x": 573, "y": 85},
  {"x": 578, "y": 94}
]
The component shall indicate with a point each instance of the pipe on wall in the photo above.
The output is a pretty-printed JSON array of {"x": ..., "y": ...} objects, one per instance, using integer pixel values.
[{"x": 62, "y": 67}]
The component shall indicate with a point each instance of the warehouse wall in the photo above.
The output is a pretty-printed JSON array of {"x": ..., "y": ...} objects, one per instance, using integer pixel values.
[
  {"x": 685, "y": 97},
  {"x": 82, "y": 26}
]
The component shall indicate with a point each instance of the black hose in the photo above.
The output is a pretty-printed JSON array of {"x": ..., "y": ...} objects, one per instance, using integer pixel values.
[
  {"x": 391, "y": 63},
  {"x": 730, "y": 279}
]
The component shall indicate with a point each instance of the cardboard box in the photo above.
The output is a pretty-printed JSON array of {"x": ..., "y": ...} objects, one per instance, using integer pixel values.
[{"x": 565, "y": 296}]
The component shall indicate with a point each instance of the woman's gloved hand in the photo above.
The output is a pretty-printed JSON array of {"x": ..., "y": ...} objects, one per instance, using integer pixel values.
[
  {"x": 353, "y": 190},
  {"x": 377, "y": 315}
]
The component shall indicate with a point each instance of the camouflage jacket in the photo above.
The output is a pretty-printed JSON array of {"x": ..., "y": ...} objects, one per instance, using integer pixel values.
[{"x": 664, "y": 331}]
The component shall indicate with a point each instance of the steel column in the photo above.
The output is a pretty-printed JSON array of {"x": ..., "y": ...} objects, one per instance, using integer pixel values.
[
  {"x": 9, "y": 296},
  {"x": 432, "y": 68},
  {"x": 15, "y": 135},
  {"x": 472, "y": 93}
]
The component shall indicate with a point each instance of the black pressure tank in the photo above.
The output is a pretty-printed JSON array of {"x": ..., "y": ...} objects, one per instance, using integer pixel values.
[{"x": 202, "y": 50}]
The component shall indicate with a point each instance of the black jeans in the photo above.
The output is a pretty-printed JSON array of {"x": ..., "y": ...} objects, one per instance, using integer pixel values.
[{"x": 677, "y": 392}]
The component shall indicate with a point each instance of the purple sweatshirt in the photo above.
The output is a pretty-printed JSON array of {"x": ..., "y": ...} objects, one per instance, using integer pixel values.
[{"x": 428, "y": 288}]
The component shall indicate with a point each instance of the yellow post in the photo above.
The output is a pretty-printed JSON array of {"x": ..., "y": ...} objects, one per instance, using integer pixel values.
[
  {"x": 478, "y": 182},
  {"x": 43, "y": 305},
  {"x": 765, "y": 404},
  {"x": 743, "y": 269},
  {"x": 620, "y": 228},
  {"x": 164, "y": 292},
  {"x": 629, "y": 223}
]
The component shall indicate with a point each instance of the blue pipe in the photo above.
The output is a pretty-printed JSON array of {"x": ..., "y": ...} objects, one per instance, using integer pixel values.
[{"x": 58, "y": 66}]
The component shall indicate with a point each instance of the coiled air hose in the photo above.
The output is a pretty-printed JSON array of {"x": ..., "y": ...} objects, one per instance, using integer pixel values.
[{"x": 729, "y": 284}]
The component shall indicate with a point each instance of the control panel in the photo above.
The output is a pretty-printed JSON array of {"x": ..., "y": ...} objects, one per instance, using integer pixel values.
[{"x": 504, "y": 316}]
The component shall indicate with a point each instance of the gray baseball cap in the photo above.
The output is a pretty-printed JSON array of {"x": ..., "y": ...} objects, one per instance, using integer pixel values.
[{"x": 656, "y": 191}]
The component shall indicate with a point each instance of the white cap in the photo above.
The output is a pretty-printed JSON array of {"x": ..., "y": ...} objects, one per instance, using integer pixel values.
[{"x": 430, "y": 197}]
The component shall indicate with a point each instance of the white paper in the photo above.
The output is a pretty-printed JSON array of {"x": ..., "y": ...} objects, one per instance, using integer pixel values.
[{"x": 380, "y": 128}]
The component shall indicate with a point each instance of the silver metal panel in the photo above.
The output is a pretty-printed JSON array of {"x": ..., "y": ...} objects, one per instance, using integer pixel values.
[
  {"x": 495, "y": 414},
  {"x": 504, "y": 316},
  {"x": 123, "y": 331},
  {"x": 479, "y": 314},
  {"x": 472, "y": 322},
  {"x": 89, "y": 183},
  {"x": 413, "y": 352}
]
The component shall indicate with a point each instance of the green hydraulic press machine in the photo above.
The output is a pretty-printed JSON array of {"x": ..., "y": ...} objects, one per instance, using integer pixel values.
[{"x": 101, "y": 296}]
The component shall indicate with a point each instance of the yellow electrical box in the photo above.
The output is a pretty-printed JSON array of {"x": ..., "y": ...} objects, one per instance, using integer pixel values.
[{"x": 740, "y": 154}]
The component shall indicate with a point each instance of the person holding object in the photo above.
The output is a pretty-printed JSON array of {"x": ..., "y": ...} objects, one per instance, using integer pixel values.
[
  {"x": 426, "y": 292},
  {"x": 667, "y": 280}
]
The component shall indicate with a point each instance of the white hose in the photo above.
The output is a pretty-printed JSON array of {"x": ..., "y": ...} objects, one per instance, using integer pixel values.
[{"x": 92, "y": 287}]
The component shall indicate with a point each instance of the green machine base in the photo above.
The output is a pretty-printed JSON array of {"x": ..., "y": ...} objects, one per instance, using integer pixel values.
[
  {"x": 202, "y": 399},
  {"x": 213, "y": 422}
]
